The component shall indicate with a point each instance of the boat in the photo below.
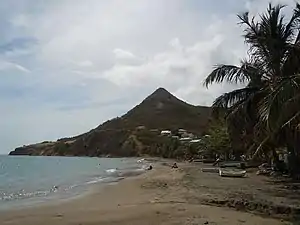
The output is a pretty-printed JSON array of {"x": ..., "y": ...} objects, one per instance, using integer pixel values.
[
  {"x": 231, "y": 173},
  {"x": 210, "y": 170},
  {"x": 233, "y": 164}
]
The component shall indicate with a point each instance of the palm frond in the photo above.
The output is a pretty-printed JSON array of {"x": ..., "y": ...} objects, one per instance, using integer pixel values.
[
  {"x": 293, "y": 25},
  {"x": 253, "y": 38},
  {"x": 297, "y": 20},
  {"x": 228, "y": 73},
  {"x": 261, "y": 146},
  {"x": 269, "y": 38},
  {"x": 291, "y": 120},
  {"x": 291, "y": 65},
  {"x": 280, "y": 101},
  {"x": 232, "y": 98}
]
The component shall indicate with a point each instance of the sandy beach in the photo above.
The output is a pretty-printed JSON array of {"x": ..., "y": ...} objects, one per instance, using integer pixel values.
[{"x": 161, "y": 196}]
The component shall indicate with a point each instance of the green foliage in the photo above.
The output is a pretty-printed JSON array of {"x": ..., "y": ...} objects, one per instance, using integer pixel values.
[
  {"x": 157, "y": 145},
  {"x": 217, "y": 141},
  {"x": 162, "y": 110},
  {"x": 62, "y": 148},
  {"x": 266, "y": 111}
]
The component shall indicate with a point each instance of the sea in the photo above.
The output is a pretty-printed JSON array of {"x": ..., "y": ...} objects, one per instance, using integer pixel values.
[{"x": 29, "y": 180}]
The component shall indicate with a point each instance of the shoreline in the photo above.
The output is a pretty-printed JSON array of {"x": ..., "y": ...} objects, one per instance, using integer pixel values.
[
  {"x": 53, "y": 201},
  {"x": 155, "y": 197},
  {"x": 75, "y": 191}
]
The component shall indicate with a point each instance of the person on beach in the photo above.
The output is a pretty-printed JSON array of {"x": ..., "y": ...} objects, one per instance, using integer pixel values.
[
  {"x": 217, "y": 162},
  {"x": 174, "y": 166}
]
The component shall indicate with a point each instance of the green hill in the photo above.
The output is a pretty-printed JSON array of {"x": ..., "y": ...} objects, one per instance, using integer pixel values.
[{"x": 126, "y": 135}]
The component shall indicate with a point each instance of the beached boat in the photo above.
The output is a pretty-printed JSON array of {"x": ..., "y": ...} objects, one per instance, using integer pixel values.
[
  {"x": 231, "y": 173},
  {"x": 224, "y": 164}
]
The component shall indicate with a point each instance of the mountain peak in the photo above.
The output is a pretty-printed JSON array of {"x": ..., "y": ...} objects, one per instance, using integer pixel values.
[
  {"x": 117, "y": 137},
  {"x": 160, "y": 94},
  {"x": 161, "y": 90}
]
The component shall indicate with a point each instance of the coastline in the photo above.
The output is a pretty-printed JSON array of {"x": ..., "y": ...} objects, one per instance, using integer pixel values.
[
  {"x": 55, "y": 179},
  {"x": 155, "y": 197}
]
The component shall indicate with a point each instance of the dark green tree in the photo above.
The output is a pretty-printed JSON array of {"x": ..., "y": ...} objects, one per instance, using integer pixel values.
[{"x": 267, "y": 108}]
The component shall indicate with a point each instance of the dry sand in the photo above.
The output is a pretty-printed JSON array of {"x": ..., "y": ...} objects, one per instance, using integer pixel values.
[{"x": 157, "y": 197}]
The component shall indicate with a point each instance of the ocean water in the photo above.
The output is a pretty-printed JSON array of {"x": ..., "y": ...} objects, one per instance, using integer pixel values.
[{"x": 26, "y": 180}]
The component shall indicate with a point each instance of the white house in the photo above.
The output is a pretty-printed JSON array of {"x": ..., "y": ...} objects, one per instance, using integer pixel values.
[
  {"x": 185, "y": 139},
  {"x": 181, "y": 131},
  {"x": 166, "y": 132},
  {"x": 195, "y": 141}
]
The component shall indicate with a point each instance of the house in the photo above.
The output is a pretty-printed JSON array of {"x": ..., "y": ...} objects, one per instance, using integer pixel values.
[
  {"x": 156, "y": 131},
  {"x": 166, "y": 132},
  {"x": 140, "y": 128},
  {"x": 195, "y": 141},
  {"x": 188, "y": 135},
  {"x": 181, "y": 131},
  {"x": 185, "y": 139}
]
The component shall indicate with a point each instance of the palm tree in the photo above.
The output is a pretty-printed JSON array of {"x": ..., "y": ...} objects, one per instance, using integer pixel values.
[{"x": 269, "y": 101}]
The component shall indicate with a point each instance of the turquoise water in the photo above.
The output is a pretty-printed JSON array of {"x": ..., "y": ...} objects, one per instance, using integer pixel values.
[{"x": 28, "y": 179}]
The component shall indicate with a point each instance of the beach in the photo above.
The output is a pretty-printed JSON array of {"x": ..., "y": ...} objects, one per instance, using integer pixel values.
[{"x": 161, "y": 196}]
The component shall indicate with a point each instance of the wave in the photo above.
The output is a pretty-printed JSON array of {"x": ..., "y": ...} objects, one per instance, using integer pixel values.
[
  {"x": 129, "y": 172},
  {"x": 111, "y": 171},
  {"x": 23, "y": 195},
  {"x": 55, "y": 186},
  {"x": 96, "y": 180}
]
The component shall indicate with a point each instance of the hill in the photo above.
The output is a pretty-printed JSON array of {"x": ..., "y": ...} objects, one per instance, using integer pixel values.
[{"x": 123, "y": 136}]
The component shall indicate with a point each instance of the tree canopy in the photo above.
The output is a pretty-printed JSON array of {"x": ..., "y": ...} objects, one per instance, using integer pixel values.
[{"x": 266, "y": 111}]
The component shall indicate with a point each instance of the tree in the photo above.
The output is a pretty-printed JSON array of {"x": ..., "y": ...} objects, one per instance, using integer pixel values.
[
  {"x": 217, "y": 141},
  {"x": 267, "y": 107}
]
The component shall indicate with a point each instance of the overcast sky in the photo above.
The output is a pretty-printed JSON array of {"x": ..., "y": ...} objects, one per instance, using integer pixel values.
[{"x": 68, "y": 65}]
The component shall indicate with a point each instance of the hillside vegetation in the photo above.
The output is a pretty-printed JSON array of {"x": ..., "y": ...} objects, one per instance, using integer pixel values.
[{"x": 135, "y": 133}]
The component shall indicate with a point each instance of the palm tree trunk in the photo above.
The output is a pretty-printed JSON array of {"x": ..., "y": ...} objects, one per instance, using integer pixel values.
[
  {"x": 293, "y": 146},
  {"x": 235, "y": 138}
]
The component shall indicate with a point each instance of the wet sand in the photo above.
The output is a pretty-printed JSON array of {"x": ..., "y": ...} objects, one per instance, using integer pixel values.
[{"x": 162, "y": 196}]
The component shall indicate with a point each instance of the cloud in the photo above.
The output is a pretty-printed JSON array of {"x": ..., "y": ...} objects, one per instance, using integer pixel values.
[
  {"x": 86, "y": 63},
  {"x": 20, "y": 20},
  {"x": 4, "y": 66},
  {"x": 126, "y": 57},
  {"x": 17, "y": 43},
  {"x": 122, "y": 54},
  {"x": 66, "y": 66},
  {"x": 182, "y": 68}
]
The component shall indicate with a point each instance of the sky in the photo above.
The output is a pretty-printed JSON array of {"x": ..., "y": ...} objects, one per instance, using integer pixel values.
[{"x": 66, "y": 66}]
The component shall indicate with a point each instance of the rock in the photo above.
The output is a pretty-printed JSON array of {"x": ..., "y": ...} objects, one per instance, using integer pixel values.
[
  {"x": 206, "y": 222},
  {"x": 246, "y": 204}
]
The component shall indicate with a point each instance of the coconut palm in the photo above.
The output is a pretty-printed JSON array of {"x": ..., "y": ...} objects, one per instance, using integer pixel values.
[{"x": 269, "y": 101}]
